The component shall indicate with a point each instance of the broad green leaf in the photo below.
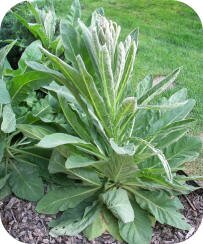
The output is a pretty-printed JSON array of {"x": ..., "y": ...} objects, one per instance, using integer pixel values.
[
  {"x": 162, "y": 207},
  {"x": 4, "y": 192},
  {"x": 88, "y": 175},
  {"x": 25, "y": 182},
  {"x": 31, "y": 53},
  {"x": 72, "y": 228},
  {"x": 2, "y": 148},
  {"x": 69, "y": 72},
  {"x": 96, "y": 229},
  {"x": 111, "y": 224},
  {"x": 159, "y": 88},
  {"x": 58, "y": 139},
  {"x": 138, "y": 231},
  {"x": 64, "y": 198},
  {"x": 35, "y": 131},
  {"x": 57, "y": 163},
  {"x": 72, "y": 214},
  {"x": 4, "y": 94},
  {"x": 78, "y": 161},
  {"x": 118, "y": 203},
  {"x": 9, "y": 119},
  {"x": 3, "y": 181},
  {"x": 22, "y": 85},
  {"x": 185, "y": 150},
  {"x": 70, "y": 41},
  {"x": 39, "y": 32},
  {"x": 3, "y": 53},
  {"x": 120, "y": 168}
]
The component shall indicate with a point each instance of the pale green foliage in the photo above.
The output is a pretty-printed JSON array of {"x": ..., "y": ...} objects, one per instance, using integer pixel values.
[{"x": 115, "y": 148}]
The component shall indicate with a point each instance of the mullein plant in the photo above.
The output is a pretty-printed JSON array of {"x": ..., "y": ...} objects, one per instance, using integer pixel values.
[{"x": 126, "y": 142}]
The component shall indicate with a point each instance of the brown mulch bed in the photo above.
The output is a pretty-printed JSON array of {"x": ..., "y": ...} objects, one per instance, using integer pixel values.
[{"x": 23, "y": 223}]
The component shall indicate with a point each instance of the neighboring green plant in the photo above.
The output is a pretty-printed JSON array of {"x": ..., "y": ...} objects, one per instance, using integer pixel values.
[
  {"x": 44, "y": 27},
  {"x": 11, "y": 28},
  {"x": 115, "y": 153},
  {"x": 126, "y": 148},
  {"x": 21, "y": 165}
]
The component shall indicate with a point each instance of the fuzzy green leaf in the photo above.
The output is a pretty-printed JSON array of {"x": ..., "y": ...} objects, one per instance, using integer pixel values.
[
  {"x": 4, "y": 94},
  {"x": 162, "y": 207},
  {"x": 74, "y": 227},
  {"x": 138, "y": 231},
  {"x": 9, "y": 119},
  {"x": 63, "y": 198},
  {"x": 118, "y": 203},
  {"x": 58, "y": 139},
  {"x": 25, "y": 182}
]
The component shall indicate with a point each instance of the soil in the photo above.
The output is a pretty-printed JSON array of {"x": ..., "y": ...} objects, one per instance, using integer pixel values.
[{"x": 23, "y": 223}]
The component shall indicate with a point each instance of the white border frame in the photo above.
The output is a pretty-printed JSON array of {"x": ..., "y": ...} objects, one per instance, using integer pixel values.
[{"x": 197, "y": 6}]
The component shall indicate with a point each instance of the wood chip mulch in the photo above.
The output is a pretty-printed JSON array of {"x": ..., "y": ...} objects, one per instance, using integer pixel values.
[{"x": 23, "y": 223}]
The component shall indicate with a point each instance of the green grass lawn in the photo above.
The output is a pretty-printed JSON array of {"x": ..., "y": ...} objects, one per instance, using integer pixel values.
[{"x": 170, "y": 37}]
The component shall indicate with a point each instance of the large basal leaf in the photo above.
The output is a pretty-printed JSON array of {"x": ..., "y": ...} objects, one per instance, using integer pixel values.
[
  {"x": 111, "y": 224},
  {"x": 5, "y": 192},
  {"x": 97, "y": 228},
  {"x": 57, "y": 163},
  {"x": 4, "y": 94},
  {"x": 9, "y": 119},
  {"x": 58, "y": 139},
  {"x": 138, "y": 231},
  {"x": 64, "y": 198},
  {"x": 185, "y": 150},
  {"x": 35, "y": 131},
  {"x": 88, "y": 175},
  {"x": 75, "y": 213},
  {"x": 74, "y": 227},
  {"x": 3, "y": 181},
  {"x": 22, "y": 85},
  {"x": 118, "y": 203},
  {"x": 162, "y": 207},
  {"x": 25, "y": 182},
  {"x": 2, "y": 147}
]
